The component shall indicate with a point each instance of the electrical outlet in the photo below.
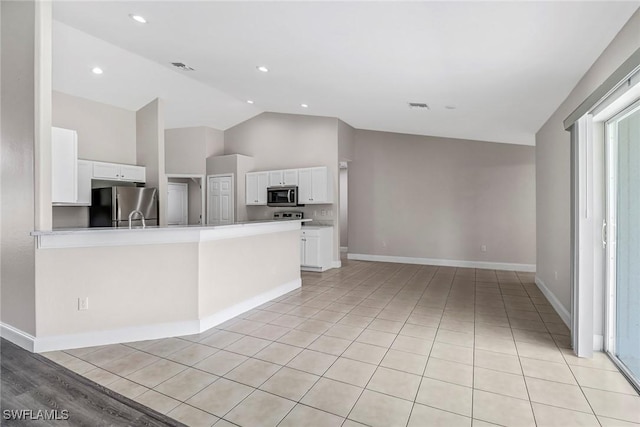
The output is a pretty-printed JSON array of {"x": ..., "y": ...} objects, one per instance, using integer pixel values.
[
  {"x": 483, "y": 248},
  {"x": 83, "y": 303},
  {"x": 323, "y": 212},
  {"x": 384, "y": 244},
  {"x": 555, "y": 274}
]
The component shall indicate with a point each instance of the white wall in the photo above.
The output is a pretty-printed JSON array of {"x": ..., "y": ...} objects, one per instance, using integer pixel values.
[
  {"x": 150, "y": 150},
  {"x": 439, "y": 198},
  {"x": 186, "y": 149},
  {"x": 105, "y": 133},
  {"x": 553, "y": 192},
  {"x": 17, "y": 274}
]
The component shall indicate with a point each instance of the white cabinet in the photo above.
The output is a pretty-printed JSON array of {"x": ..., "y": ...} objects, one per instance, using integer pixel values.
[
  {"x": 256, "y": 188},
  {"x": 85, "y": 171},
  {"x": 118, "y": 172},
  {"x": 314, "y": 186},
  {"x": 283, "y": 177},
  {"x": 316, "y": 248},
  {"x": 64, "y": 165}
]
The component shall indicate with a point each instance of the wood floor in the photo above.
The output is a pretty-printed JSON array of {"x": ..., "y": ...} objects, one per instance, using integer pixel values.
[{"x": 33, "y": 383}]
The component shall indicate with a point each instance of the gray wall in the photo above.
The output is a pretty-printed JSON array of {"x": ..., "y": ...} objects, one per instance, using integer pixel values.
[
  {"x": 428, "y": 197},
  {"x": 17, "y": 30},
  {"x": 553, "y": 192},
  {"x": 188, "y": 148},
  {"x": 105, "y": 133},
  {"x": 346, "y": 140},
  {"x": 282, "y": 141}
]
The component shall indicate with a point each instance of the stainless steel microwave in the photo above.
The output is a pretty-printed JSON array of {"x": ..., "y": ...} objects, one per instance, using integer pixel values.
[{"x": 282, "y": 196}]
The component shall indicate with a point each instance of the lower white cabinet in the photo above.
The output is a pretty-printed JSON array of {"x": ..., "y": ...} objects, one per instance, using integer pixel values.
[{"x": 316, "y": 248}]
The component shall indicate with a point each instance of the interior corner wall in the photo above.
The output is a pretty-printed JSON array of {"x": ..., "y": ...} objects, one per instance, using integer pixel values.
[
  {"x": 17, "y": 82},
  {"x": 105, "y": 133},
  {"x": 150, "y": 150},
  {"x": 290, "y": 141},
  {"x": 346, "y": 141},
  {"x": 442, "y": 199},
  {"x": 553, "y": 164},
  {"x": 188, "y": 148}
]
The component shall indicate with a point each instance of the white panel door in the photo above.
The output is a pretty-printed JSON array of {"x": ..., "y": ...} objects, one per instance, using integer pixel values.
[
  {"x": 221, "y": 209},
  {"x": 177, "y": 204}
]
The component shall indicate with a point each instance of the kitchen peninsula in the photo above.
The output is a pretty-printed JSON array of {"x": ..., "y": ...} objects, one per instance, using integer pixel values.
[{"x": 101, "y": 286}]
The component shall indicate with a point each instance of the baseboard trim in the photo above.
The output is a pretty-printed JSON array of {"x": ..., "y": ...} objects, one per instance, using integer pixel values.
[
  {"x": 231, "y": 312},
  {"x": 16, "y": 336},
  {"x": 530, "y": 268},
  {"x": 139, "y": 333},
  {"x": 555, "y": 302},
  {"x": 336, "y": 264}
]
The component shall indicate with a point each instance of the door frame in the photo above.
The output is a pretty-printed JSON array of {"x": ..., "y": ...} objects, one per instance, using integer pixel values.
[
  {"x": 233, "y": 192},
  {"x": 611, "y": 176},
  {"x": 203, "y": 189}
]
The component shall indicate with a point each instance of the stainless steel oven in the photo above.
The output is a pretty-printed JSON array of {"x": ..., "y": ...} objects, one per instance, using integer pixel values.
[{"x": 282, "y": 196}]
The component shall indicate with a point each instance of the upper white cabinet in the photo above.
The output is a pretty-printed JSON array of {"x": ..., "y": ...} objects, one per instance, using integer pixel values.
[
  {"x": 283, "y": 177},
  {"x": 256, "y": 188},
  {"x": 314, "y": 186},
  {"x": 64, "y": 165},
  {"x": 118, "y": 172}
]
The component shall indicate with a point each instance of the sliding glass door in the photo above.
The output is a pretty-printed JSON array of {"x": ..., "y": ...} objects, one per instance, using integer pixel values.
[{"x": 623, "y": 240}]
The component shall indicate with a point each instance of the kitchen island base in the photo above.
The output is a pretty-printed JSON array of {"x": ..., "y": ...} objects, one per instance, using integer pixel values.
[{"x": 157, "y": 283}]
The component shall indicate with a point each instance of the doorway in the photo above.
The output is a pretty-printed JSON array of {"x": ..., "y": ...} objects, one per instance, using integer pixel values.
[
  {"x": 220, "y": 205},
  {"x": 177, "y": 203},
  {"x": 623, "y": 240},
  {"x": 344, "y": 206},
  {"x": 185, "y": 192}
]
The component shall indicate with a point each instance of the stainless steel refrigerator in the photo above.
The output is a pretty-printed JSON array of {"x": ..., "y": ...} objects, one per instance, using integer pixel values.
[{"x": 111, "y": 206}]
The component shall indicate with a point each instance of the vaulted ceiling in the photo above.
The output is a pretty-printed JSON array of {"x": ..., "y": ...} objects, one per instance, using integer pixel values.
[{"x": 491, "y": 71}]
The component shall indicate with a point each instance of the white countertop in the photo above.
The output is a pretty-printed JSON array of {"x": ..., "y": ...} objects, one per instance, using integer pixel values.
[
  {"x": 92, "y": 230},
  {"x": 107, "y": 236}
]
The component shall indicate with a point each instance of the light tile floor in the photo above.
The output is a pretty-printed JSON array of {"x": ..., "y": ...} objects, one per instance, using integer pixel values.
[{"x": 376, "y": 344}]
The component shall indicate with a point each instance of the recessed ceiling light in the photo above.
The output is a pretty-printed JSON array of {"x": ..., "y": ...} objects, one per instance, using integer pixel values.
[
  {"x": 262, "y": 68},
  {"x": 249, "y": 101},
  {"x": 138, "y": 18},
  {"x": 97, "y": 70},
  {"x": 304, "y": 105},
  {"x": 450, "y": 107}
]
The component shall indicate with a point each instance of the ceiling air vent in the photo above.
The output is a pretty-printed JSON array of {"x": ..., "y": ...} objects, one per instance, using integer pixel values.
[
  {"x": 418, "y": 106},
  {"x": 183, "y": 67}
]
